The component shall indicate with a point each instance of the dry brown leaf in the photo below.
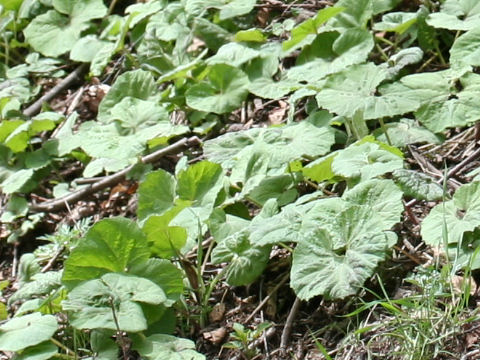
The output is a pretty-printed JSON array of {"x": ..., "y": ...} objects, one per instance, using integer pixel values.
[
  {"x": 459, "y": 285},
  {"x": 215, "y": 336},
  {"x": 196, "y": 44},
  {"x": 262, "y": 16},
  {"x": 277, "y": 115},
  {"x": 217, "y": 313}
]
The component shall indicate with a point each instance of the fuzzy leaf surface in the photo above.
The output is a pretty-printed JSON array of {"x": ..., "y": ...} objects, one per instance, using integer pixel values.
[{"x": 111, "y": 245}]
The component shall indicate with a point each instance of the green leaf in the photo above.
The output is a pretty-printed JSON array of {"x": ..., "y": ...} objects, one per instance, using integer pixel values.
[
  {"x": 404, "y": 132},
  {"x": 28, "y": 330},
  {"x": 250, "y": 35},
  {"x": 53, "y": 34},
  {"x": 465, "y": 49},
  {"x": 330, "y": 53},
  {"x": 81, "y": 11},
  {"x": 398, "y": 22},
  {"x": 284, "y": 227},
  {"x": 163, "y": 273},
  {"x": 233, "y": 54},
  {"x": 156, "y": 194},
  {"x": 418, "y": 185},
  {"x": 222, "y": 225},
  {"x": 200, "y": 183},
  {"x": 169, "y": 24},
  {"x": 135, "y": 114},
  {"x": 7, "y": 127},
  {"x": 105, "y": 141},
  {"x": 103, "y": 345},
  {"x": 235, "y": 8},
  {"x": 224, "y": 93},
  {"x": 335, "y": 263},
  {"x": 11, "y": 4},
  {"x": 197, "y": 186},
  {"x": 354, "y": 89},
  {"x": 456, "y": 15},
  {"x": 279, "y": 187},
  {"x": 16, "y": 88},
  {"x": 404, "y": 58},
  {"x": 111, "y": 245},
  {"x": 102, "y": 58},
  {"x": 188, "y": 207},
  {"x": 160, "y": 346},
  {"x": 346, "y": 240},
  {"x": 305, "y": 32},
  {"x": 246, "y": 261},
  {"x": 213, "y": 35},
  {"x": 16, "y": 207},
  {"x": 16, "y": 181},
  {"x": 356, "y": 14},
  {"x": 365, "y": 161},
  {"x": 43, "y": 351},
  {"x": 140, "y": 11},
  {"x": 228, "y": 9},
  {"x": 137, "y": 84},
  {"x": 276, "y": 146},
  {"x": 382, "y": 198},
  {"x": 40, "y": 284},
  {"x": 166, "y": 241},
  {"x": 320, "y": 169},
  {"x": 459, "y": 215},
  {"x": 86, "y": 48},
  {"x": 92, "y": 303},
  {"x": 450, "y": 107},
  {"x": 380, "y": 6}
]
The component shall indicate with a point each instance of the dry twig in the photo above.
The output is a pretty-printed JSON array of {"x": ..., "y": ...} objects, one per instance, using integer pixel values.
[
  {"x": 113, "y": 179},
  {"x": 65, "y": 83}
]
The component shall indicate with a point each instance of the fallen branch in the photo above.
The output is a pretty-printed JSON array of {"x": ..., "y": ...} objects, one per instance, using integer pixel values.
[
  {"x": 264, "y": 301},
  {"x": 108, "y": 181},
  {"x": 64, "y": 84},
  {"x": 453, "y": 171},
  {"x": 287, "y": 329}
]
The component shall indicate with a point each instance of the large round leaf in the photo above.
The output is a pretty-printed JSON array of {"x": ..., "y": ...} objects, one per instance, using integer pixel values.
[
  {"x": 336, "y": 263},
  {"x": 456, "y": 15},
  {"x": 52, "y": 34},
  {"x": 247, "y": 261},
  {"x": 354, "y": 90},
  {"x": 457, "y": 216},
  {"x": 94, "y": 302},
  {"x": 24, "y": 331},
  {"x": 160, "y": 347},
  {"x": 224, "y": 93},
  {"x": 111, "y": 245}
]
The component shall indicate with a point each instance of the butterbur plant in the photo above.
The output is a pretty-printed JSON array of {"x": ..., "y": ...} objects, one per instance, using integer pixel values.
[{"x": 112, "y": 283}]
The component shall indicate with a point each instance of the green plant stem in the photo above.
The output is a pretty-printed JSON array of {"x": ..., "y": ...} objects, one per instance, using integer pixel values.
[
  {"x": 385, "y": 131},
  {"x": 69, "y": 352},
  {"x": 386, "y": 41},
  {"x": 63, "y": 356},
  {"x": 382, "y": 53},
  {"x": 120, "y": 338},
  {"x": 286, "y": 247},
  {"x": 111, "y": 7},
  {"x": 440, "y": 56}
]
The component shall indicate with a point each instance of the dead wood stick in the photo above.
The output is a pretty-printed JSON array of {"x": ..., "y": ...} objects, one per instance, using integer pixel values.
[
  {"x": 113, "y": 179},
  {"x": 287, "y": 329},
  {"x": 264, "y": 301},
  {"x": 463, "y": 163},
  {"x": 62, "y": 85}
]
